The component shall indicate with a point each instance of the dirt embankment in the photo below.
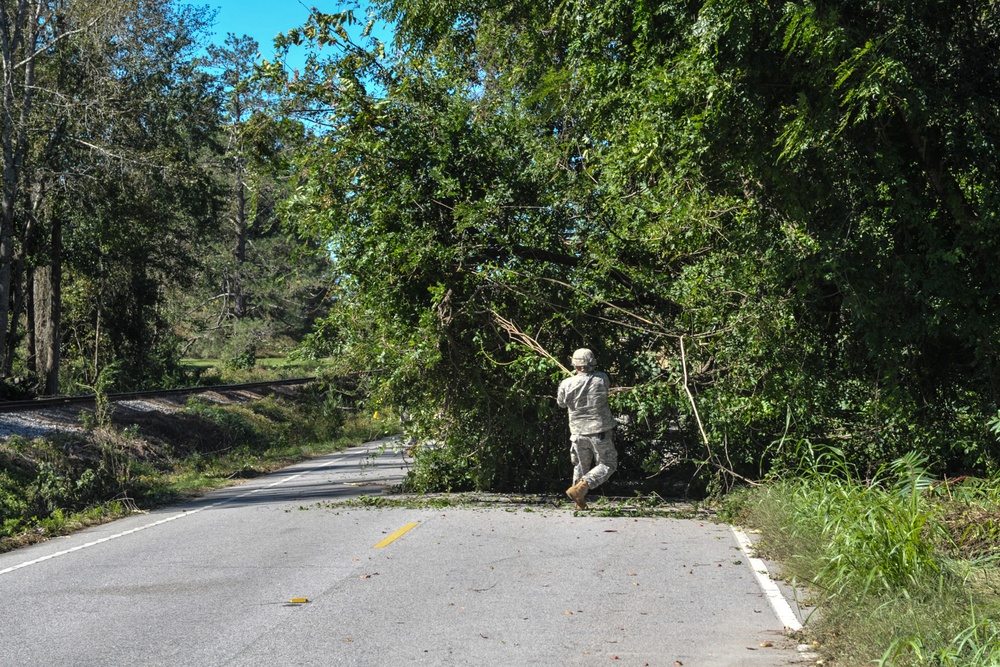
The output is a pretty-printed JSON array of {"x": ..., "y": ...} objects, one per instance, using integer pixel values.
[{"x": 160, "y": 421}]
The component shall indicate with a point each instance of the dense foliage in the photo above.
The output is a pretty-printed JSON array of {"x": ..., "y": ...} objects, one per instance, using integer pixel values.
[
  {"x": 140, "y": 171},
  {"x": 771, "y": 221}
]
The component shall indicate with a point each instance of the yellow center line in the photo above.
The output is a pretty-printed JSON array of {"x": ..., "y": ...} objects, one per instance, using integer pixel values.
[{"x": 395, "y": 536}]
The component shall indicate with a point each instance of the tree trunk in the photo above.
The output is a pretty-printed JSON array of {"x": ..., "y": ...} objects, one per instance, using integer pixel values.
[
  {"x": 240, "y": 250},
  {"x": 19, "y": 31},
  {"x": 48, "y": 313},
  {"x": 18, "y": 285},
  {"x": 6, "y": 252},
  {"x": 29, "y": 333}
]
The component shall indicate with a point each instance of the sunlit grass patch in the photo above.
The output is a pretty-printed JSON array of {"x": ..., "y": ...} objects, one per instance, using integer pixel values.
[{"x": 904, "y": 566}]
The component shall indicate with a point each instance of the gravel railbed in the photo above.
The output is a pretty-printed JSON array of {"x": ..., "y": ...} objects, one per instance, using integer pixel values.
[{"x": 67, "y": 419}]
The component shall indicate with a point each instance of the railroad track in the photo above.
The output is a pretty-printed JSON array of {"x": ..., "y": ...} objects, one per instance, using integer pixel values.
[{"x": 87, "y": 399}]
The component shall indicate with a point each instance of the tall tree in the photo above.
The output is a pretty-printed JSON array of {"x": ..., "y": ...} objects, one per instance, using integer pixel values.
[
  {"x": 147, "y": 158},
  {"x": 25, "y": 29},
  {"x": 109, "y": 173},
  {"x": 767, "y": 219},
  {"x": 259, "y": 287},
  {"x": 243, "y": 108}
]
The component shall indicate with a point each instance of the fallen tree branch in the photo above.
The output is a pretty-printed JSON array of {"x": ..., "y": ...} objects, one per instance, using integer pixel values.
[{"x": 514, "y": 332}]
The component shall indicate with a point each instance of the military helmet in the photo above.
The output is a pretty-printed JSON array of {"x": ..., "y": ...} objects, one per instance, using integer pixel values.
[{"x": 584, "y": 358}]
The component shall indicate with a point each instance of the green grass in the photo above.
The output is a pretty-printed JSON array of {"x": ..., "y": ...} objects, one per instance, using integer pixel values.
[
  {"x": 200, "y": 363},
  {"x": 904, "y": 568}
]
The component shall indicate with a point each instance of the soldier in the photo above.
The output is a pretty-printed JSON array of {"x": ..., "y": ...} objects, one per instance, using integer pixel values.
[{"x": 591, "y": 426}]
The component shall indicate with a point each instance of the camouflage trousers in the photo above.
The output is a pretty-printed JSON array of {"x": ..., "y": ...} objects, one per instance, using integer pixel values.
[{"x": 594, "y": 457}]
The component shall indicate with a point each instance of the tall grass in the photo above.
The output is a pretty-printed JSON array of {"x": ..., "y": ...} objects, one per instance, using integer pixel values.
[
  {"x": 978, "y": 644},
  {"x": 879, "y": 558}
]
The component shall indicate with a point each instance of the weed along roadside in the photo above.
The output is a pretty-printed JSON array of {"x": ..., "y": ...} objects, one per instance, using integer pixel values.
[
  {"x": 902, "y": 566},
  {"x": 138, "y": 455}
]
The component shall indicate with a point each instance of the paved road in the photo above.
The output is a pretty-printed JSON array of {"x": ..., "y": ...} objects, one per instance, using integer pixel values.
[{"x": 211, "y": 583}]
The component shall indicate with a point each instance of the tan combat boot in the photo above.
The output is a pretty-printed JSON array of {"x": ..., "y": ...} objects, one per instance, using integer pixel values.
[{"x": 578, "y": 492}]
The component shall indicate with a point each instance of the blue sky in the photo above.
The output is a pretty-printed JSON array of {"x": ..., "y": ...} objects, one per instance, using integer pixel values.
[{"x": 263, "y": 19}]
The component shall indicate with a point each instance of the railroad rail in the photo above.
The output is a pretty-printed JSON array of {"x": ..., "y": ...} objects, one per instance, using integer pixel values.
[{"x": 84, "y": 399}]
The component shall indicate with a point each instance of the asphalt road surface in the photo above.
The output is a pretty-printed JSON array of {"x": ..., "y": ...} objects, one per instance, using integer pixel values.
[{"x": 275, "y": 572}]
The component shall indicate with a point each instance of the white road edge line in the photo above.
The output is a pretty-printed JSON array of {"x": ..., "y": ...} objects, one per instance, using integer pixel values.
[
  {"x": 778, "y": 601},
  {"x": 157, "y": 523}
]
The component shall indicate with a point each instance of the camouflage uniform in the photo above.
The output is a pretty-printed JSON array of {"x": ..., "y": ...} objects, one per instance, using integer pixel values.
[
  {"x": 585, "y": 450},
  {"x": 591, "y": 424}
]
